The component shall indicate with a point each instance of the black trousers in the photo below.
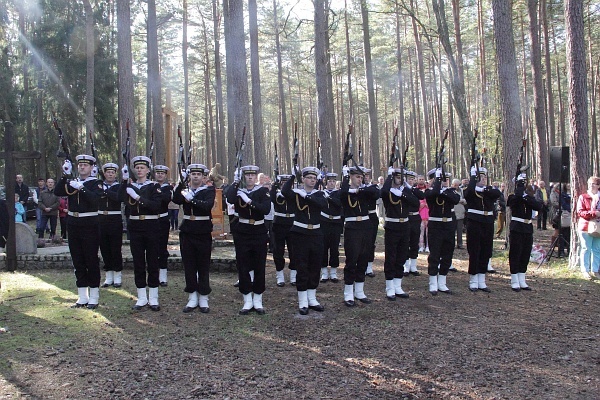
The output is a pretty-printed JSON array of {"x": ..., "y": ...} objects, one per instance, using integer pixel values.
[
  {"x": 163, "y": 253},
  {"x": 44, "y": 223},
  {"x": 144, "y": 250},
  {"x": 195, "y": 254},
  {"x": 251, "y": 255},
  {"x": 307, "y": 261},
  {"x": 357, "y": 244},
  {"x": 331, "y": 244},
  {"x": 413, "y": 243},
  {"x": 83, "y": 245},
  {"x": 111, "y": 243},
  {"x": 63, "y": 227},
  {"x": 520, "y": 251},
  {"x": 396, "y": 250},
  {"x": 269, "y": 225},
  {"x": 542, "y": 217},
  {"x": 440, "y": 236},
  {"x": 480, "y": 240},
  {"x": 374, "y": 229},
  {"x": 281, "y": 237}
]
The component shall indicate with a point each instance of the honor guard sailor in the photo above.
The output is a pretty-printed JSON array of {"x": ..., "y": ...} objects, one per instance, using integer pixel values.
[
  {"x": 397, "y": 199},
  {"x": 306, "y": 236},
  {"x": 332, "y": 225},
  {"x": 195, "y": 235},
  {"x": 283, "y": 218},
  {"x": 111, "y": 226},
  {"x": 82, "y": 221},
  {"x": 372, "y": 207},
  {"x": 414, "y": 220},
  {"x": 250, "y": 235},
  {"x": 441, "y": 229},
  {"x": 166, "y": 191},
  {"x": 143, "y": 197}
]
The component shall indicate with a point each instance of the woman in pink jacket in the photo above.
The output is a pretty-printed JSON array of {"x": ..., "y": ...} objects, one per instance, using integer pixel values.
[{"x": 588, "y": 208}]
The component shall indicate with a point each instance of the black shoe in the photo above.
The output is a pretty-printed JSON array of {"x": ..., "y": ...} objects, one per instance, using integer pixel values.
[
  {"x": 204, "y": 310},
  {"x": 92, "y": 306},
  {"x": 105, "y": 285},
  {"x": 243, "y": 311},
  {"x": 491, "y": 271},
  {"x": 260, "y": 311},
  {"x": 485, "y": 289},
  {"x": 365, "y": 300},
  {"x": 164, "y": 284},
  {"x": 137, "y": 308},
  {"x": 293, "y": 283},
  {"x": 303, "y": 311},
  {"x": 526, "y": 288},
  {"x": 433, "y": 292},
  {"x": 370, "y": 274},
  {"x": 349, "y": 303},
  {"x": 334, "y": 280},
  {"x": 117, "y": 285},
  {"x": 415, "y": 273},
  {"x": 452, "y": 269},
  {"x": 317, "y": 307},
  {"x": 324, "y": 280},
  {"x": 406, "y": 273},
  {"x": 473, "y": 289},
  {"x": 187, "y": 309},
  {"x": 459, "y": 247},
  {"x": 402, "y": 296},
  {"x": 391, "y": 298},
  {"x": 77, "y": 305},
  {"x": 155, "y": 308},
  {"x": 518, "y": 289},
  {"x": 281, "y": 284},
  {"x": 445, "y": 291},
  {"x": 237, "y": 284}
]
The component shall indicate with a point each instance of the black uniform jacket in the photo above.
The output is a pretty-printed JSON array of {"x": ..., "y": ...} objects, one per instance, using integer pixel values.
[
  {"x": 441, "y": 201},
  {"x": 480, "y": 204},
  {"x": 256, "y": 211},
  {"x": 109, "y": 206},
  {"x": 355, "y": 204},
  {"x": 334, "y": 207},
  {"x": 397, "y": 207},
  {"x": 307, "y": 209},
  {"x": 81, "y": 201},
  {"x": 413, "y": 210},
  {"x": 521, "y": 206},
  {"x": 148, "y": 204},
  {"x": 198, "y": 211},
  {"x": 283, "y": 210}
]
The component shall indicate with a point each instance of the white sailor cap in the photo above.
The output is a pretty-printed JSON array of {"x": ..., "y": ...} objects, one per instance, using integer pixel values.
[
  {"x": 250, "y": 169},
  {"x": 356, "y": 170},
  {"x": 310, "y": 171},
  {"x": 397, "y": 171},
  {"x": 367, "y": 171},
  {"x": 331, "y": 176},
  {"x": 85, "y": 159},
  {"x": 198, "y": 168},
  {"x": 410, "y": 173},
  {"x": 483, "y": 171},
  {"x": 110, "y": 167},
  {"x": 140, "y": 160},
  {"x": 431, "y": 174},
  {"x": 284, "y": 177},
  {"x": 161, "y": 168}
]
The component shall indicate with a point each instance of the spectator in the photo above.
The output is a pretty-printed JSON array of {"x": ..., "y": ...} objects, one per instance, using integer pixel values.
[
  {"x": 560, "y": 226},
  {"x": 22, "y": 190},
  {"x": 424, "y": 212},
  {"x": 459, "y": 211},
  {"x": 41, "y": 186},
  {"x": 48, "y": 203},
  {"x": 541, "y": 194},
  {"x": 215, "y": 176},
  {"x": 63, "y": 208},
  {"x": 588, "y": 209},
  {"x": 19, "y": 210},
  {"x": 174, "y": 216},
  {"x": 500, "y": 209}
]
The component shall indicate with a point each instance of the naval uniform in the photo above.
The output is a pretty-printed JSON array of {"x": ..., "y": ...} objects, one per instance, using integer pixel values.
[
  {"x": 111, "y": 227},
  {"x": 441, "y": 227},
  {"x": 332, "y": 225},
  {"x": 82, "y": 222},
  {"x": 414, "y": 220},
  {"x": 164, "y": 228},
  {"x": 283, "y": 218},
  {"x": 195, "y": 237},
  {"x": 250, "y": 236},
  {"x": 371, "y": 204},
  {"x": 143, "y": 230},
  {"x": 521, "y": 229}
]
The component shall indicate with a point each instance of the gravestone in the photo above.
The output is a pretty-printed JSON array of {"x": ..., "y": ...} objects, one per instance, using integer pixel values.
[{"x": 26, "y": 239}]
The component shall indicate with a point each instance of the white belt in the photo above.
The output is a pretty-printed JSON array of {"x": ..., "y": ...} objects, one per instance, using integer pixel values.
[
  {"x": 106, "y": 212},
  {"x": 251, "y": 221},
  {"x": 330, "y": 216},
  {"x": 372, "y": 211},
  {"x": 388, "y": 219},
  {"x": 471, "y": 210},
  {"x": 288, "y": 215},
  {"x": 143, "y": 217},
  {"x": 442, "y": 219},
  {"x": 85, "y": 214},
  {"x": 358, "y": 219},
  {"x": 196, "y": 217},
  {"x": 525, "y": 221},
  {"x": 307, "y": 226},
  {"x": 163, "y": 215},
  {"x": 413, "y": 213}
]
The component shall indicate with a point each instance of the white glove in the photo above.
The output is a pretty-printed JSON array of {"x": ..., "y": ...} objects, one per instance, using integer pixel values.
[
  {"x": 390, "y": 171},
  {"x": 94, "y": 171},
  {"x": 473, "y": 171},
  {"x": 345, "y": 171},
  {"x": 125, "y": 172},
  {"x": 397, "y": 191},
  {"x": 479, "y": 188},
  {"x": 352, "y": 190},
  {"x": 187, "y": 194},
  {"x": 521, "y": 177},
  {"x": 442, "y": 190},
  {"x": 67, "y": 167},
  {"x": 243, "y": 196},
  {"x": 184, "y": 175},
  {"x": 132, "y": 193},
  {"x": 438, "y": 173},
  {"x": 236, "y": 175},
  {"x": 407, "y": 185},
  {"x": 76, "y": 184}
]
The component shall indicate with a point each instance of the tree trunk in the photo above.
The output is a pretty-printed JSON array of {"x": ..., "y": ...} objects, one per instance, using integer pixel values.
[
  {"x": 321, "y": 74},
  {"x": 260, "y": 149},
  {"x": 348, "y": 64},
  {"x": 154, "y": 82},
  {"x": 89, "y": 84},
  {"x": 221, "y": 155},
  {"x": 329, "y": 145},
  {"x": 549, "y": 80},
  {"x": 482, "y": 61},
  {"x": 286, "y": 159},
  {"x": 186, "y": 92},
  {"x": 401, "y": 117},
  {"x": 373, "y": 123},
  {"x": 126, "y": 98}
]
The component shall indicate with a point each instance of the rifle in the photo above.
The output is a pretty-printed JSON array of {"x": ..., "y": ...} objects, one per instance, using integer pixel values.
[
  {"x": 394, "y": 153},
  {"x": 474, "y": 154},
  {"x": 403, "y": 164},
  {"x": 127, "y": 149},
  {"x": 360, "y": 153},
  {"x": 239, "y": 156},
  {"x": 181, "y": 160},
  {"x": 63, "y": 147},
  {"x": 276, "y": 169},
  {"x": 151, "y": 156},
  {"x": 348, "y": 146},
  {"x": 296, "y": 154},
  {"x": 520, "y": 167},
  {"x": 94, "y": 154},
  {"x": 441, "y": 160},
  {"x": 320, "y": 163},
  {"x": 190, "y": 150}
]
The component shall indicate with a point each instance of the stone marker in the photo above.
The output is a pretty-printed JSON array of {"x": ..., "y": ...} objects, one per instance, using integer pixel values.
[{"x": 26, "y": 239}]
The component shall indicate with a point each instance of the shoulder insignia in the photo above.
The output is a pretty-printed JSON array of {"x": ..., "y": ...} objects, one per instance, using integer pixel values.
[
  {"x": 100, "y": 186},
  {"x": 158, "y": 190}
]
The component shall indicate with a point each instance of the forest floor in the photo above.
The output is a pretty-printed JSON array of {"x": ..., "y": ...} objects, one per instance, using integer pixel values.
[{"x": 541, "y": 344}]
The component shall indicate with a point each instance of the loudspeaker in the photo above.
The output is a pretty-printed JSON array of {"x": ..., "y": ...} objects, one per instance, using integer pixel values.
[{"x": 559, "y": 164}]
